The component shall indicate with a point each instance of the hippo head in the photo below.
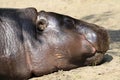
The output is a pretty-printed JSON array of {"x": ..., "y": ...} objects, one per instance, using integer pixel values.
[{"x": 70, "y": 36}]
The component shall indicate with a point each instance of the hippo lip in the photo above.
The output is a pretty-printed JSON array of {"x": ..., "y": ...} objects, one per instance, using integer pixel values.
[
  {"x": 94, "y": 50},
  {"x": 91, "y": 53},
  {"x": 92, "y": 46},
  {"x": 88, "y": 46}
]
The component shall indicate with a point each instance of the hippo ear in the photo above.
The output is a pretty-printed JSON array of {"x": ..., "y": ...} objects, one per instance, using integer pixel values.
[{"x": 41, "y": 24}]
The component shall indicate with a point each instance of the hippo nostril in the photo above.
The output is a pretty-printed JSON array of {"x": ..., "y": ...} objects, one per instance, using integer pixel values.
[{"x": 42, "y": 24}]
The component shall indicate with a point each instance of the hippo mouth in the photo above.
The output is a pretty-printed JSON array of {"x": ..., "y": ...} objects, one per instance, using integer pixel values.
[
  {"x": 87, "y": 47},
  {"x": 94, "y": 60}
]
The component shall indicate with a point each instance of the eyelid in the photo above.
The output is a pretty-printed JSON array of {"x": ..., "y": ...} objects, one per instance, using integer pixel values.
[{"x": 67, "y": 20}]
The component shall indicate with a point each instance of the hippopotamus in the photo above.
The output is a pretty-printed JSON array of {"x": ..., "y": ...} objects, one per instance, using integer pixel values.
[
  {"x": 89, "y": 42},
  {"x": 37, "y": 43}
]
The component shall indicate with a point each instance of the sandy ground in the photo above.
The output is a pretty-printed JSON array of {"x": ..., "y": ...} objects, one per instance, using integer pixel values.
[{"x": 105, "y": 13}]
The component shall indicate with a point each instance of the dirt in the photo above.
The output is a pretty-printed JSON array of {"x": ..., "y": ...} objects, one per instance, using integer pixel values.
[{"x": 105, "y": 13}]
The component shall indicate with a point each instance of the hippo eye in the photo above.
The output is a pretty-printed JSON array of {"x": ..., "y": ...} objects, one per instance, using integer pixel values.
[{"x": 69, "y": 23}]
